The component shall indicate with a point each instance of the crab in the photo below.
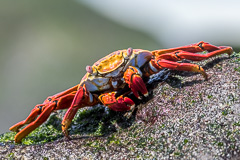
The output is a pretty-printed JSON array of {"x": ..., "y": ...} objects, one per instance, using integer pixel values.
[{"x": 110, "y": 80}]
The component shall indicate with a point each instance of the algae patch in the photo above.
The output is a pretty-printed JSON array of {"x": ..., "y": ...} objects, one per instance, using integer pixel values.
[{"x": 92, "y": 121}]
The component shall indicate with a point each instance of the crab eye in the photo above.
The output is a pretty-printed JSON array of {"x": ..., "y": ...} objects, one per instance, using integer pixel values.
[
  {"x": 89, "y": 69},
  {"x": 129, "y": 51}
]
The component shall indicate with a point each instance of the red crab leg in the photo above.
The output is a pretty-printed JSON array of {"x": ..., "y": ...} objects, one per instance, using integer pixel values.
[
  {"x": 117, "y": 104},
  {"x": 168, "y": 60},
  {"x": 193, "y": 48},
  {"x": 63, "y": 103},
  {"x": 39, "y": 108},
  {"x": 180, "y": 55},
  {"x": 181, "y": 67},
  {"x": 32, "y": 116},
  {"x": 33, "y": 125},
  {"x": 133, "y": 77},
  {"x": 81, "y": 99},
  {"x": 59, "y": 101}
]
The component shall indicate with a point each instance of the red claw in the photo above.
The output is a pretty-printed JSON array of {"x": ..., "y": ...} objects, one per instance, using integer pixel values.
[
  {"x": 122, "y": 104},
  {"x": 138, "y": 86},
  {"x": 117, "y": 104},
  {"x": 133, "y": 78}
]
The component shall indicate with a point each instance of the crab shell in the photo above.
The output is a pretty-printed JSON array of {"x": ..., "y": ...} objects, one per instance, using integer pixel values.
[{"x": 107, "y": 73}]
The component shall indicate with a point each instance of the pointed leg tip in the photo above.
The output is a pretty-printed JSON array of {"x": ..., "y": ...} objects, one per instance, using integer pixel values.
[
  {"x": 146, "y": 94},
  {"x": 66, "y": 135},
  {"x": 17, "y": 139},
  {"x": 135, "y": 92},
  {"x": 205, "y": 76},
  {"x": 132, "y": 107},
  {"x": 67, "y": 138}
]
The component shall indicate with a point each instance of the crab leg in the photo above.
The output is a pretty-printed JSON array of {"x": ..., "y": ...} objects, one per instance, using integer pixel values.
[
  {"x": 167, "y": 58},
  {"x": 180, "y": 54},
  {"x": 33, "y": 125},
  {"x": 182, "y": 67},
  {"x": 32, "y": 116},
  {"x": 81, "y": 99},
  {"x": 59, "y": 101},
  {"x": 193, "y": 48},
  {"x": 37, "y": 110}
]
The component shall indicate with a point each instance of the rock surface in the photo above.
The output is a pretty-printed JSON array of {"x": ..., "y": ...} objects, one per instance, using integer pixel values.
[{"x": 186, "y": 118}]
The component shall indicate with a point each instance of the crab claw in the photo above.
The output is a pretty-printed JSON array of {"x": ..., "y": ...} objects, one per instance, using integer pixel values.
[
  {"x": 123, "y": 104},
  {"x": 132, "y": 77},
  {"x": 117, "y": 104}
]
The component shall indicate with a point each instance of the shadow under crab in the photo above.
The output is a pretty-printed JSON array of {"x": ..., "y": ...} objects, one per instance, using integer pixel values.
[{"x": 99, "y": 120}]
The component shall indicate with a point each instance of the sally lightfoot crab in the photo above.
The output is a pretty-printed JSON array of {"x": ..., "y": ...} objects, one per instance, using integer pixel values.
[{"x": 111, "y": 79}]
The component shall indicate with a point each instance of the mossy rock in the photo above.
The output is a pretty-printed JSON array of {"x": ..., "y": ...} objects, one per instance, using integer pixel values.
[{"x": 186, "y": 117}]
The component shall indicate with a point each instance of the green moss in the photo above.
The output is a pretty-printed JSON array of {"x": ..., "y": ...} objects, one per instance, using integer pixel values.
[
  {"x": 225, "y": 112},
  {"x": 7, "y": 137},
  {"x": 237, "y": 60},
  {"x": 237, "y": 123},
  {"x": 185, "y": 141},
  {"x": 209, "y": 96},
  {"x": 220, "y": 144},
  {"x": 237, "y": 69},
  {"x": 11, "y": 156},
  {"x": 94, "y": 121},
  {"x": 177, "y": 154},
  {"x": 235, "y": 54}
]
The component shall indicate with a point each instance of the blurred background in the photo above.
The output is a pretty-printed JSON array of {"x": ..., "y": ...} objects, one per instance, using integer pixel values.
[{"x": 45, "y": 45}]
